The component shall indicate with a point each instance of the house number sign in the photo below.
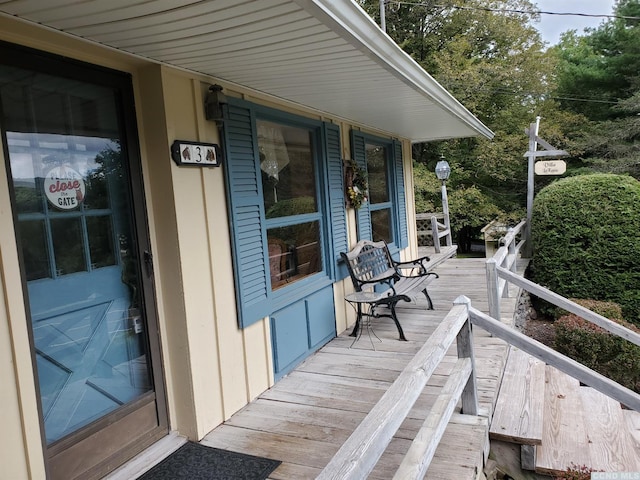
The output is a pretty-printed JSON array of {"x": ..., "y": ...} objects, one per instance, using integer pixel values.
[{"x": 195, "y": 154}]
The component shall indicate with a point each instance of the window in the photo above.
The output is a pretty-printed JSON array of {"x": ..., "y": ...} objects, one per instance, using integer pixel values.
[
  {"x": 290, "y": 201},
  {"x": 377, "y": 158},
  {"x": 287, "y": 207},
  {"x": 383, "y": 216}
]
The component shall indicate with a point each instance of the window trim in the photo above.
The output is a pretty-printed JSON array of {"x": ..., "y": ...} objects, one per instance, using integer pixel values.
[
  {"x": 314, "y": 127},
  {"x": 397, "y": 198}
]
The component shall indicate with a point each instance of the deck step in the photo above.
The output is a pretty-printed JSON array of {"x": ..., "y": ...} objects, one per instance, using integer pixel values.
[
  {"x": 564, "y": 439},
  {"x": 519, "y": 410},
  {"x": 584, "y": 427},
  {"x": 611, "y": 447},
  {"x": 632, "y": 419}
]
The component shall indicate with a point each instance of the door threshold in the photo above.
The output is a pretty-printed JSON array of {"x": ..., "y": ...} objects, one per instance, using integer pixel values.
[{"x": 148, "y": 458}]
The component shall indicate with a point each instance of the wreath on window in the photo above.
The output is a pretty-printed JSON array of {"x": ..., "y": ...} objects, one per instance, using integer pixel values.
[{"x": 357, "y": 184}]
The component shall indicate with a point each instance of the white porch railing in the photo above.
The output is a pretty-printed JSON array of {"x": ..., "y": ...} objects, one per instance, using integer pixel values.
[
  {"x": 362, "y": 450},
  {"x": 359, "y": 454}
]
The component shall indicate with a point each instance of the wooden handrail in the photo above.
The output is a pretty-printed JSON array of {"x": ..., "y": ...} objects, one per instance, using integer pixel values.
[
  {"x": 570, "y": 306},
  {"x": 551, "y": 357},
  {"x": 357, "y": 457},
  {"x": 501, "y": 272}
]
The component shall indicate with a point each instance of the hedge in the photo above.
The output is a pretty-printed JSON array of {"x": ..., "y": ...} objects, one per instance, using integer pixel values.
[
  {"x": 586, "y": 242},
  {"x": 598, "y": 349}
]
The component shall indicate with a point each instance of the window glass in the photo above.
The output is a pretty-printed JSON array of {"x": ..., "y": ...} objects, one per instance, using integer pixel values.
[
  {"x": 377, "y": 171},
  {"x": 287, "y": 168},
  {"x": 294, "y": 252},
  {"x": 377, "y": 157},
  {"x": 381, "y": 225}
]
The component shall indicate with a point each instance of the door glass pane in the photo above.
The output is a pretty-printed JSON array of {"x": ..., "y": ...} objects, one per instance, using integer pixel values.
[
  {"x": 68, "y": 245},
  {"x": 101, "y": 243},
  {"x": 34, "y": 249},
  {"x": 75, "y": 227}
]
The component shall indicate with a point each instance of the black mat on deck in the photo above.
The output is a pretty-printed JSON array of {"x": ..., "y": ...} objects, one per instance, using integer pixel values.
[{"x": 193, "y": 461}]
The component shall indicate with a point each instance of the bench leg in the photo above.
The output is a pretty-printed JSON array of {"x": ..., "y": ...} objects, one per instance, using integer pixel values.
[
  {"x": 426, "y": 294},
  {"x": 354, "y": 332},
  {"x": 392, "y": 306}
]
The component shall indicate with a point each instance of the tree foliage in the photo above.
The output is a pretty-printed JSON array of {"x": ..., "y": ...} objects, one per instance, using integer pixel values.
[
  {"x": 496, "y": 65},
  {"x": 598, "y": 76}
]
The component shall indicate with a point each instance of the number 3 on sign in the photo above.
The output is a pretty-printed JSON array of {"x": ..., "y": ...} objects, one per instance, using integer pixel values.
[{"x": 195, "y": 154}]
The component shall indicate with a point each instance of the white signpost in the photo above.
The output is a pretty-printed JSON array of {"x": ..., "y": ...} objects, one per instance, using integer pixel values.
[{"x": 547, "y": 167}]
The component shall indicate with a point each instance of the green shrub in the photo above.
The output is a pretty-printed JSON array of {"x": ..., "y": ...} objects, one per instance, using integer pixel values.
[
  {"x": 586, "y": 242},
  {"x": 598, "y": 349}
]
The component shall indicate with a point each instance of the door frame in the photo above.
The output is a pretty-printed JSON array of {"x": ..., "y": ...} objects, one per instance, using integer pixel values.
[{"x": 105, "y": 427}]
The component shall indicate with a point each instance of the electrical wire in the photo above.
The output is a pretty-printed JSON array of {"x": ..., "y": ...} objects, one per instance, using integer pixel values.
[{"x": 513, "y": 10}]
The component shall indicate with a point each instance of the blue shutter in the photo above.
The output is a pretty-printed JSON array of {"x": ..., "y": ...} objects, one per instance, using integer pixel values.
[
  {"x": 337, "y": 209},
  {"x": 363, "y": 214},
  {"x": 244, "y": 190},
  {"x": 403, "y": 237}
]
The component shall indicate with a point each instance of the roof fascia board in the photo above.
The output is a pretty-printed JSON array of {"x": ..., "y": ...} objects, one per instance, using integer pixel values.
[{"x": 352, "y": 23}]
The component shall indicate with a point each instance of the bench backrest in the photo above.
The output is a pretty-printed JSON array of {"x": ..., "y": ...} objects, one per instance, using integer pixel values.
[{"x": 367, "y": 262}]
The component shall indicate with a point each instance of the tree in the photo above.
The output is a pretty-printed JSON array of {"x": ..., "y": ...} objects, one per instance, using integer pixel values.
[
  {"x": 495, "y": 63},
  {"x": 598, "y": 77}
]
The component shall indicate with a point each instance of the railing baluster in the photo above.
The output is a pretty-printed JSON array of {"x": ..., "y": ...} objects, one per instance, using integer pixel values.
[
  {"x": 465, "y": 350},
  {"x": 493, "y": 288}
]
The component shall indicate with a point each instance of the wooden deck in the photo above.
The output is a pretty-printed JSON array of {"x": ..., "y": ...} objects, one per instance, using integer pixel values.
[{"x": 308, "y": 414}]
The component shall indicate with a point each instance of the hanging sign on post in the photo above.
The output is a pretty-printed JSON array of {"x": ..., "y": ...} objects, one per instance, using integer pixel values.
[{"x": 551, "y": 167}]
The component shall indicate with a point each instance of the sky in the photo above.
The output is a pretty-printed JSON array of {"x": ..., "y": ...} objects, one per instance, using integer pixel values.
[{"x": 551, "y": 26}]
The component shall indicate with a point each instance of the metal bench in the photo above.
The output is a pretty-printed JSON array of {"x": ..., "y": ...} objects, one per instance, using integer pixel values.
[{"x": 380, "y": 280}]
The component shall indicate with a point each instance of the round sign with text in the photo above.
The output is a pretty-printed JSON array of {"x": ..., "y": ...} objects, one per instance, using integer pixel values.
[{"x": 64, "y": 188}]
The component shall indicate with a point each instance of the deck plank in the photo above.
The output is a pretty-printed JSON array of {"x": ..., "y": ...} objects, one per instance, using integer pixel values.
[
  {"x": 564, "y": 439},
  {"x": 307, "y": 415},
  {"x": 611, "y": 448},
  {"x": 519, "y": 413}
]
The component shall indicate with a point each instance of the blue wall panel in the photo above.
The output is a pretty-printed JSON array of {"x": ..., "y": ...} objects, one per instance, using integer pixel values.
[
  {"x": 301, "y": 328},
  {"x": 321, "y": 317}
]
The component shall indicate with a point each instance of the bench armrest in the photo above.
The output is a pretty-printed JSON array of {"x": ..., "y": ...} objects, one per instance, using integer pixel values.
[{"x": 419, "y": 263}]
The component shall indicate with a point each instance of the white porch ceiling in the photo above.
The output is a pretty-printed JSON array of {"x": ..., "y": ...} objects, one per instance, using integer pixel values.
[{"x": 324, "y": 54}]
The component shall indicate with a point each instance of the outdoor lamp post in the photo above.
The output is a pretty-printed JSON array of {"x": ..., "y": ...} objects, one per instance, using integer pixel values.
[{"x": 443, "y": 170}]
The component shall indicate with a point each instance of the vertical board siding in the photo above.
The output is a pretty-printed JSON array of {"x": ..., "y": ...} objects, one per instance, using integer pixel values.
[
  {"x": 337, "y": 211},
  {"x": 245, "y": 208},
  {"x": 403, "y": 240}
]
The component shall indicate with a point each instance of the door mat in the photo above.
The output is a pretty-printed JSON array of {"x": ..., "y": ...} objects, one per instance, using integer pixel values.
[{"x": 193, "y": 461}]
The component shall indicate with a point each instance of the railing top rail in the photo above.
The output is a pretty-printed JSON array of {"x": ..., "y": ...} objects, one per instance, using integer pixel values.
[
  {"x": 568, "y": 305},
  {"x": 427, "y": 216},
  {"x": 362, "y": 450},
  {"x": 548, "y": 355},
  {"x": 507, "y": 239}
]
